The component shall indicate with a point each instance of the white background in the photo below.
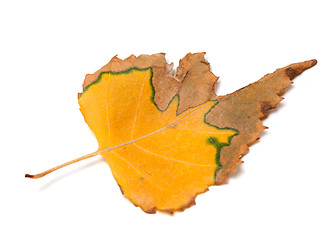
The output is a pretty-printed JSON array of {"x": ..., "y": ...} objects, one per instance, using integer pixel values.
[{"x": 284, "y": 190}]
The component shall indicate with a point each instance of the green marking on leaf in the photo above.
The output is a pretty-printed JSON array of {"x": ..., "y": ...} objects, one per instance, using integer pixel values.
[
  {"x": 219, "y": 145},
  {"x": 116, "y": 73}
]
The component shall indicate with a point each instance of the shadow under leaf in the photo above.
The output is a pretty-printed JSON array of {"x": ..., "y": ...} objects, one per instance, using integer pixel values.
[{"x": 96, "y": 161}]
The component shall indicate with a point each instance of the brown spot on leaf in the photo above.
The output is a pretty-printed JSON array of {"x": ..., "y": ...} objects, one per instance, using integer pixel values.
[
  {"x": 291, "y": 73},
  {"x": 265, "y": 107}
]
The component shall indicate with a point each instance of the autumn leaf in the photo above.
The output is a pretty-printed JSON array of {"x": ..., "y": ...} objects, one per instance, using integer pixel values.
[{"x": 168, "y": 138}]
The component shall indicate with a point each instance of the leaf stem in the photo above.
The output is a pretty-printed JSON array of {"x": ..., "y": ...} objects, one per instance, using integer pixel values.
[{"x": 42, "y": 174}]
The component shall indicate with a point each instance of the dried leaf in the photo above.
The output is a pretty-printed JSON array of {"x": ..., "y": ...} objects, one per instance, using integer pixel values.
[{"x": 167, "y": 139}]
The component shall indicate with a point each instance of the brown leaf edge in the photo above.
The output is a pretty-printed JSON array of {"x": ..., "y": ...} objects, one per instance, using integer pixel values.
[{"x": 256, "y": 99}]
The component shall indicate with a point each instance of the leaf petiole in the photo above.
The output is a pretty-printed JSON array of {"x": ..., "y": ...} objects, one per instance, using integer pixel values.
[{"x": 42, "y": 174}]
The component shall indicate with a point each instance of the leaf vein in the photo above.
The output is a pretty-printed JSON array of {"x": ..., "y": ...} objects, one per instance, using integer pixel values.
[
  {"x": 152, "y": 133},
  {"x": 138, "y": 171},
  {"x": 138, "y": 107},
  {"x": 107, "y": 110},
  {"x": 196, "y": 130},
  {"x": 172, "y": 159}
]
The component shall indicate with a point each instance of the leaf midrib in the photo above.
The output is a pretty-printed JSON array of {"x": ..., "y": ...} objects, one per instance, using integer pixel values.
[{"x": 152, "y": 133}]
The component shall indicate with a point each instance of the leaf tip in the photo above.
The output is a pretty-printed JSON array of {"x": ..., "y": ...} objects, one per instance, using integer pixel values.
[
  {"x": 29, "y": 176},
  {"x": 296, "y": 69},
  {"x": 313, "y": 62}
]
